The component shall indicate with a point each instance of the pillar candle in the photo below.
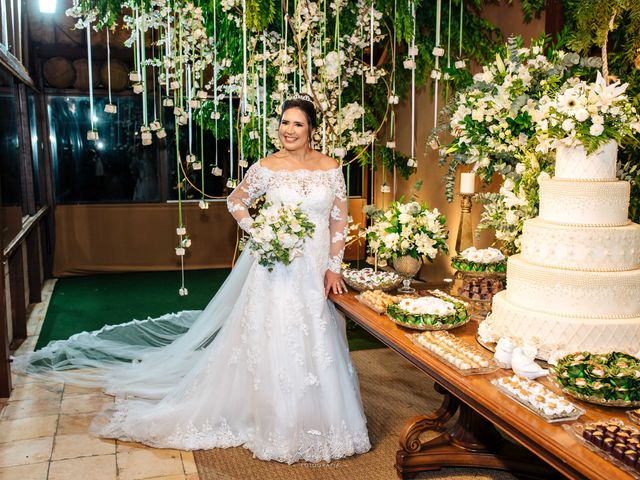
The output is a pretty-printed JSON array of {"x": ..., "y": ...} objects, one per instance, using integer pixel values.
[{"x": 467, "y": 183}]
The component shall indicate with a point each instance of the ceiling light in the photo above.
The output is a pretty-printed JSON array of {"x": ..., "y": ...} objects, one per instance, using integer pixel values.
[{"x": 48, "y": 6}]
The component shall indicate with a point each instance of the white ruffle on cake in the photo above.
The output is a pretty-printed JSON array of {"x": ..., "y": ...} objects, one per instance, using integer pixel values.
[{"x": 576, "y": 283}]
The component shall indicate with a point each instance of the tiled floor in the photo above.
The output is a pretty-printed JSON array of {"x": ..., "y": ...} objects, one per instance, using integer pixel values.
[{"x": 44, "y": 432}]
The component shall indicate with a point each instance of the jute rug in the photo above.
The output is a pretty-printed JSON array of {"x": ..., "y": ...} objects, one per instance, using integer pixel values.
[{"x": 392, "y": 391}]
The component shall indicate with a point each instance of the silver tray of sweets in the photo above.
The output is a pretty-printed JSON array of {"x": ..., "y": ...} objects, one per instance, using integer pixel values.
[
  {"x": 626, "y": 463},
  {"x": 574, "y": 412},
  {"x": 490, "y": 364}
]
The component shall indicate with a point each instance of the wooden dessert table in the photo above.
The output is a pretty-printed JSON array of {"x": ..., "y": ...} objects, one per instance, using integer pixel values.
[{"x": 473, "y": 440}]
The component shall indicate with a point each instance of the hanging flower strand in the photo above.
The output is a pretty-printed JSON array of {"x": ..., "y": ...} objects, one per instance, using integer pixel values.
[
  {"x": 109, "y": 107},
  {"x": 93, "y": 133},
  {"x": 410, "y": 63},
  {"x": 436, "y": 73}
]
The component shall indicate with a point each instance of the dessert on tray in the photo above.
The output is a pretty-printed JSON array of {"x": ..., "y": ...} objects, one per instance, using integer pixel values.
[
  {"x": 634, "y": 415},
  {"x": 377, "y": 300},
  {"x": 538, "y": 398},
  {"x": 438, "y": 311},
  {"x": 614, "y": 440},
  {"x": 609, "y": 379},
  {"x": 465, "y": 358}
]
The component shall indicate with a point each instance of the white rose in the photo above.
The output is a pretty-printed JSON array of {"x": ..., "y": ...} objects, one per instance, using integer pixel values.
[
  {"x": 520, "y": 168},
  {"x": 391, "y": 240},
  {"x": 487, "y": 76},
  {"x": 477, "y": 115},
  {"x": 581, "y": 114},
  {"x": 508, "y": 185},
  {"x": 511, "y": 217},
  {"x": 405, "y": 218},
  {"x": 568, "y": 125},
  {"x": 596, "y": 129}
]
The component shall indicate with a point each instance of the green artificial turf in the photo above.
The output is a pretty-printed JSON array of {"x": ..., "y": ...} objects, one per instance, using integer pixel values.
[{"x": 91, "y": 302}]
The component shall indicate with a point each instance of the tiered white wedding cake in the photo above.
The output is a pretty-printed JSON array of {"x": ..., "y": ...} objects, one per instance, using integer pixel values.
[{"x": 576, "y": 284}]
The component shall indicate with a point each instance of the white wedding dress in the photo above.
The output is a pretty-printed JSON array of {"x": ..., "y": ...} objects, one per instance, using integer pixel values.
[{"x": 265, "y": 365}]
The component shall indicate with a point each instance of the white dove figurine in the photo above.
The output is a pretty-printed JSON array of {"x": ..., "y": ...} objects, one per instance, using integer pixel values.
[
  {"x": 504, "y": 351},
  {"x": 522, "y": 363}
]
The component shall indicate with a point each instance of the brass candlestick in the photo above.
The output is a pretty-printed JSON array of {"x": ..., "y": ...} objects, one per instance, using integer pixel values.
[{"x": 464, "y": 239}]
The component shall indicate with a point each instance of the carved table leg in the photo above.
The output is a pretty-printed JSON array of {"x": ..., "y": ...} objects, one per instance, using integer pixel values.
[{"x": 471, "y": 442}]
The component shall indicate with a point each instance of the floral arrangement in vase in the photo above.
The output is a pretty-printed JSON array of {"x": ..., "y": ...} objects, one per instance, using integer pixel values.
[
  {"x": 407, "y": 229},
  {"x": 406, "y": 233}
]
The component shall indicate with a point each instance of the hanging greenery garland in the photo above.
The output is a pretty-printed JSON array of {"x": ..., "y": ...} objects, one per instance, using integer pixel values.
[{"x": 321, "y": 47}]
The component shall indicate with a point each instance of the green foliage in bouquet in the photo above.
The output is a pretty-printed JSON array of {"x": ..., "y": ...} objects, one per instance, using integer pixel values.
[{"x": 611, "y": 376}]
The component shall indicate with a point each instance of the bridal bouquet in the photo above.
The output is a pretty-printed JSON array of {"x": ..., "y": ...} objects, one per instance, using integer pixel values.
[
  {"x": 407, "y": 229},
  {"x": 278, "y": 233}
]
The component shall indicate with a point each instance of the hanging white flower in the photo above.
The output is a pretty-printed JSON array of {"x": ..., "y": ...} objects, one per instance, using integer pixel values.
[{"x": 332, "y": 65}]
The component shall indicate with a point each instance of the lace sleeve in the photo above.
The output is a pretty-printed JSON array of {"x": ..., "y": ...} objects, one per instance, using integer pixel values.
[
  {"x": 338, "y": 223},
  {"x": 252, "y": 186}
]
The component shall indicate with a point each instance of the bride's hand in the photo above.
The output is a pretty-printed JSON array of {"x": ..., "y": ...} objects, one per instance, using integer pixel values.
[{"x": 333, "y": 282}]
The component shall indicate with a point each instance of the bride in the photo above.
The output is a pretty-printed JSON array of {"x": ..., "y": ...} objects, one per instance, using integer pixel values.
[{"x": 266, "y": 364}]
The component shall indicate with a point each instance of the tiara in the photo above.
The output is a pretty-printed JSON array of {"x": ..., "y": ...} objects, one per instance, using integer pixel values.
[{"x": 301, "y": 96}]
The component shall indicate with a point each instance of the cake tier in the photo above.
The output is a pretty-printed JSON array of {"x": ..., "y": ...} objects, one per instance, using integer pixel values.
[
  {"x": 584, "y": 203},
  {"x": 573, "y": 293},
  {"x": 552, "y": 333},
  {"x": 573, "y": 163},
  {"x": 581, "y": 248}
]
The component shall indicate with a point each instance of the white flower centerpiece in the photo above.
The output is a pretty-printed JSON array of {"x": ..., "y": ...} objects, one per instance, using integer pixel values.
[
  {"x": 407, "y": 233},
  {"x": 278, "y": 234},
  {"x": 480, "y": 260},
  {"x": 436, "y": 312}
]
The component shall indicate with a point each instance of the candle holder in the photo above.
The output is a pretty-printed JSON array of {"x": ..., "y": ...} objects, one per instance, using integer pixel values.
[{"x": 464, "y": 239}]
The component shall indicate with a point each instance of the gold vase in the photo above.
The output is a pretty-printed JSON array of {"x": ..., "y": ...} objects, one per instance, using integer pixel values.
[{"x": 407, "y": 267}]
